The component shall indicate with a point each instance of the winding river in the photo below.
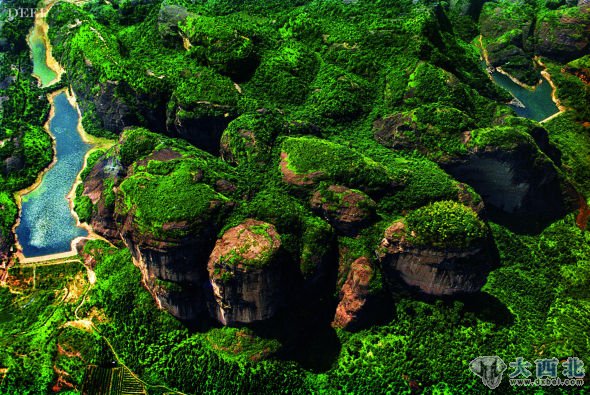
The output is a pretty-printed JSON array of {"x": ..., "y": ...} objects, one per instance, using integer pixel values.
[{"x": 47, "y": 225}]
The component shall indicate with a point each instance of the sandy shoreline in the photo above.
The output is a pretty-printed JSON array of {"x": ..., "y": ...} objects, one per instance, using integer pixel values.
[
  {"x": 545, "y": 73},
  {"x": 19, "y": 194},
  {"x": 42, "y": 28}
]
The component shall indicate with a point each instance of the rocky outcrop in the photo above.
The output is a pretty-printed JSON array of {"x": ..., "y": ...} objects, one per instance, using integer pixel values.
[
  {"x": 307, "y": 161},
  {"x": 347, "y": 210},
  {"x": 434, "y": 270},
  {"x": 168, "y": 19},
  {"x": 114, "y": 112},
  {"x": 519, "y": 184},
  {"x": 103, "y": 221},
  {"x": 117, "y": 105},
  {"x": 397, "y": 131},
  {"x": 564, "y": 35},
  {"x": 204, "y": 132},
  {"x": 201, "y": 109},
  {"x": 513, "y": 33},
  {"x": 172, "y": 262},
  {"x": 354, "y": 294},
  {"x": 246, "y": 274},
  {"x": 249, "y": 137},
  {"x": 434, "y": 129},
  {"x": 508, "y": 37},
  {"x": 171, "y": 239}
]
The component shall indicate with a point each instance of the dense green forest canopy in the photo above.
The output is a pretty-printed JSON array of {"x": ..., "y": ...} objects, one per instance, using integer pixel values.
[{"x": 349, "y": 127}]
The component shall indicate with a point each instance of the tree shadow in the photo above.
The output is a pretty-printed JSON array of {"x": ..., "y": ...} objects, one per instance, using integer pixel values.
[{"x": 487, "y": 308}]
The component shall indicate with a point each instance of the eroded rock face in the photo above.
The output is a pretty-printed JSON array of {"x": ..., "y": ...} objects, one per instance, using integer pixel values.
[
  {"x": 117, "y": 105},
  {"x": 171, "y": 247},
  {"x": 246, "y": 274},
  {"x": 114, "y": 112},
  {"x": 103, "y": 221},
  {"x": 354, "y": 294},
  {"x": 202, "y": 131},
  {"x": 347, "y": 210},
  {"x": 513, "y": 183},
  {"x": 520, "y": 186},
  {"x": 168, "y": 19},
  {"x": 174, "y": 268},
  {"x": 564, "y": 36},
  {"x": 396, "y": 131},
  {"x": 434, "y": 271}
]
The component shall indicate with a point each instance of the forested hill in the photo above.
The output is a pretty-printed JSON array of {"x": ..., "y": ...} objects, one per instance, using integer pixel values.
[{"x": 303, "y": 196}]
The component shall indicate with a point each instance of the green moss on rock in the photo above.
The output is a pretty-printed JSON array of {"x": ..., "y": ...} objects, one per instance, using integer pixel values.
[
  {"x": 308, "y": 160},
  {"x": 249, "y": 138},
  {"x": 338, "y": 94},
  {"x": 445, "y": 224},
  {"x": 159, "y": 202},
  {"x": 507, "y": 138}
]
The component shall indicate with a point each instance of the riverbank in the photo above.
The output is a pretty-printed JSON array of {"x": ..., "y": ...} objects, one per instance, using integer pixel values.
[
  {"x": 97, "y": 144},
  {"x": 18, "y": 196},
  {"x": 486, "y": 58},
  {"x": 41, "y": 28},
  {"x": 544, "y": 74}
]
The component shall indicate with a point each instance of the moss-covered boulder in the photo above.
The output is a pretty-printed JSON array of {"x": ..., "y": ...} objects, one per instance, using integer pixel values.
[
  {"x": 166, "y": 200},
  {"x": 284, "y": 76},
  {"x": 219, "y": 42},
  {"x": 201, "y": 107},
  {"x": 347, "y": 210},
  {"x": 435, "y": 130},
  {"x": 249, "y": 138},
  {"x": 169, "y": 223},
  {"x": 564, "y": 34},
  {"x": 428, "y": 83},
  {"x": 305, "y": 161},
  {"x": 441, "y": 249},
  {"x": 246, "y": 274},
  {"x": 519, "y": 184},
  {"x": 338, "y": 94}
]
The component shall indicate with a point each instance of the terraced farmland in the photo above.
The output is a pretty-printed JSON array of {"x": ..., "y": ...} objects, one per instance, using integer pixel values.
[{"x": 110, "y": 381}]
